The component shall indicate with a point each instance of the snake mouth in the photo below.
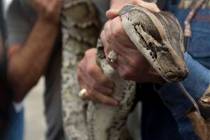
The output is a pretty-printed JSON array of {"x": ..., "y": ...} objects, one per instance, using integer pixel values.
[{"x": 172, "y": 76}]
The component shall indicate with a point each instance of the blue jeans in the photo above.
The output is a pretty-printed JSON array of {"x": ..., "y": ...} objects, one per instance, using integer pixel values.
[
  {"x": 15, "y": 128},
  {"x": 198, "y": 80}
]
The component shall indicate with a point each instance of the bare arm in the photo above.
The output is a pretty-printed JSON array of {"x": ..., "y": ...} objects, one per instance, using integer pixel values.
[{"x": 28, "y": 61}]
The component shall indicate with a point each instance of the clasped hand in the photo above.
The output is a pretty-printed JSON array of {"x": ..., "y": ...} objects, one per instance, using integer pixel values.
[{"x": 130, "y": 63}]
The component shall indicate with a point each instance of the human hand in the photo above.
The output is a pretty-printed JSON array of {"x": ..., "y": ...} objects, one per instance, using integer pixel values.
[
  {"x": 48, "y": 10},
  {"x": 130, "y": 63},
  {"x": 99, "y": 87},
  {"x": 117, "y": 5}
]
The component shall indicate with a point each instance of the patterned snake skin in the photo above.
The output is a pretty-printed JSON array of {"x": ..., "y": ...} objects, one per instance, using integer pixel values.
[
  {"x": 80, "y": 29},
  {"x": 151, "y": 35}
]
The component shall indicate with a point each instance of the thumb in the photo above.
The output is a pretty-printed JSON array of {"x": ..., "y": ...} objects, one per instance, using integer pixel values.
[
  {"x": 149, "y": 5},
  {"x": 112, "y": 13}
]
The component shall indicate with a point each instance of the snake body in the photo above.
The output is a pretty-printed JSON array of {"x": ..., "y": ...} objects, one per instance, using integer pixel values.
[
  {"x": 80, "y": 30},
  {"x": 158, "y": 36}
]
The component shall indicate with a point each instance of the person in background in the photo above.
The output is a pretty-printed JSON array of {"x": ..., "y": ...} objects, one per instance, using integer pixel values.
[
  {"x": 32, "y": 29},
  {"x": 11, "y": 113}
]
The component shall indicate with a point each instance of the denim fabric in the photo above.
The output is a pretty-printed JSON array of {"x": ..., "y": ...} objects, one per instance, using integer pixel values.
[
  {"x": 198, "y": 62},
  {"x": 15, "y": 130},
  {"x": 198, "y": 79}
]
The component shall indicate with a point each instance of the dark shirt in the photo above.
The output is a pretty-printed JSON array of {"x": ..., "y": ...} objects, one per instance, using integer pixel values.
[{"x": 5, "y": 96}]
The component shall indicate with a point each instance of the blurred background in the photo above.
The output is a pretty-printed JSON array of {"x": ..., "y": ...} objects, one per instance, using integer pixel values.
[{"x": 34, "y": 112}]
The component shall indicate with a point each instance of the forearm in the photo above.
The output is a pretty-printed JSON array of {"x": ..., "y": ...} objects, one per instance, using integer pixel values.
[{"x": 28, "y": 63}]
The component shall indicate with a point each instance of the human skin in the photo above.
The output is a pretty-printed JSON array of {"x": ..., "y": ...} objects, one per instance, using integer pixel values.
[
  {"x": 28, "y": 61},
  {"x": 131, "y": 65}
]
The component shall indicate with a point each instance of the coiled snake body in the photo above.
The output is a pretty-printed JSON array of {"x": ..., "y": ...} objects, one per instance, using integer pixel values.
[{"x": 158, "y": 36}]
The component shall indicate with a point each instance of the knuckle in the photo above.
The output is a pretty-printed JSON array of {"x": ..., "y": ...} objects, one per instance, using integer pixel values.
[
  {"x": 87, "y": 53},
  {"x": 102, "y": 81},
  {"x": 91, "y": 70},
  {"x": 103, "y": 37},
  {"x": 127, "y": 74},
  {"x": 106, "y": 50},
  {"x": 134, "y": 62},
  {"x": 91, "y": 92},
  {"x": 116, "y": 32},
  {"x": 49, "y": 10},
  {"x": 116, "y": 27},
  {"x": 135, "y": 2},
  {"x": 102, "y": 34},
  {"x": 95, "y": 85},
  {"x": 79, "y": 67},
  {"x": 106, "y": 25}
]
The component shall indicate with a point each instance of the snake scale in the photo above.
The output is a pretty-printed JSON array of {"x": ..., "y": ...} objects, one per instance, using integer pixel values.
[{"x": 158, "y": 36}]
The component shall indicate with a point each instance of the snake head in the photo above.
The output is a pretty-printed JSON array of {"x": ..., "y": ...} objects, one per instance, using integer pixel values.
[{"x": 159, "y": 38}]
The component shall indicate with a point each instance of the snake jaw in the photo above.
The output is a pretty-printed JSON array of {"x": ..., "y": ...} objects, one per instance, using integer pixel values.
[
  {"x": 159, "y": 40},
  {"x": 178, "y": 75}
]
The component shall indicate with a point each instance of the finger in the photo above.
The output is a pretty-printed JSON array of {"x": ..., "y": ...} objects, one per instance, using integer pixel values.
[
  {"x": 134, "y": 58},
  {"x": 149, "y": 5},
  {"x": 112, "y": 13},
  {"x": 126, "y": 49},
  {"x": 119, "y": 48},
  {"x": 94, "y": 75},
  {"x": 105, "y": 43},
  {"x": 103, "y": 99},
  {"x": 113, "y": 31},
  {"x": 106, "y": 37},
  {"x": 98, "y": 76},
  {"x": 126, "y": 71},
  {"x": 54, "y": 5},
  {"x": 114, "y": 64},
  {"x": 118, "y": 33},
  {"x": 102, "y": 89},
  {"x": 96, "y": 96},
  {"x": 82, "y": 78},
  {"x": 116, "y": 6},
  {"x": 91, "y": 83},
  {"x": 135, "y": 70},
  {"x": 82, "y": 86}
]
